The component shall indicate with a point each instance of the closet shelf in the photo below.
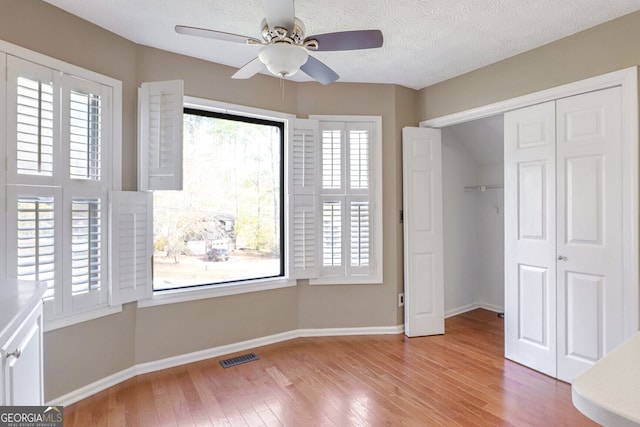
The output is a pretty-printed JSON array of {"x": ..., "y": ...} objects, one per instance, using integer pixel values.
[{"x": 483, "y": 187}]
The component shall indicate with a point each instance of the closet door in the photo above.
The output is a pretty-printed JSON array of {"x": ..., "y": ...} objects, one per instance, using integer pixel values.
[
  {"x": 564, "y": 285},
  {"x": 589, "y": 234},
  {"x": 530, "y": 237},
  {"x": 423, "y": 239}
]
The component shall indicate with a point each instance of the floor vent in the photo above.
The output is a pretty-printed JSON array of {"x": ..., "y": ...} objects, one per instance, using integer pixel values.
[{"x": 250, "y": 357}]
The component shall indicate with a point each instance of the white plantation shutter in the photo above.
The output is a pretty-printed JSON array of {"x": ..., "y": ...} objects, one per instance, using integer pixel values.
[
  {"x": 359, "y": 159},
  {"x": 59, "y": 238},
  {"x": 350, "y": 185},
  {"x": 36, "y": 239},
  {"x": 86, "y": 249},
  {"x": 160, "y": 111},
  {"x": 359, "y": 236},
  {"x": 34, "y": 148},
  {"x": 332, "y": 164},
  {"x": 60, "y": 133},
  {"x": 304, "y": 239},
  {"x": 131, "y": 226},
  {"x": 33, "y": 122},
  {"x": 332, "y": 236},
  {"x": 303, "y": 244},
  {"x": 86, "y": 125},
  {"x": 304, "y": 156},
  {"x": 359, "y": 195},
  {"x": 85, "y": 139},
  {"x": 33, "y": 225},
  {"x": 86, "y": 245},
  {"x": 346, "y": 234}
]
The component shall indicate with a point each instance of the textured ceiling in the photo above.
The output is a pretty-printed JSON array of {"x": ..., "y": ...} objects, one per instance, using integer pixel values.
[{"x": 425, "y": 41}]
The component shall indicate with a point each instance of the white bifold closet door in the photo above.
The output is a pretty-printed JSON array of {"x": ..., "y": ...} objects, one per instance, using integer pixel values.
[
  {"x": 423, "y": 237},
  {"x": 530, "y": 237},
  {"x": 563, "y": 233}
]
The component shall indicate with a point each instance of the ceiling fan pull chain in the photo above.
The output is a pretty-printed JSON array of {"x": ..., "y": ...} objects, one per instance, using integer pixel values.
[{"x": 282, "y": 87}]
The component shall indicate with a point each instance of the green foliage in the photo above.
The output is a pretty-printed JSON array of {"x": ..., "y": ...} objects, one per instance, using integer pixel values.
[{"x": 231, "y": 170}]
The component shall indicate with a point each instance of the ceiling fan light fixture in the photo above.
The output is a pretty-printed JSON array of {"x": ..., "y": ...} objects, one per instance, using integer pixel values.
[
  {"x": 283, "y": 59},
  {"x": 285, "y": 49}
]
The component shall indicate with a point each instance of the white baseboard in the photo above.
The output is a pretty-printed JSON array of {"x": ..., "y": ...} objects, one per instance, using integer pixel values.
[
  {"x": 93, "y": 388},
  {"x": 491, "y": 307},
  {"x": 170, "y": 362},
  {"x": 336, "y": 332},
  {"x": 470, "y": 307},
  {"x": 183, "y": 359},
  {"x": 459, "y": 310}
]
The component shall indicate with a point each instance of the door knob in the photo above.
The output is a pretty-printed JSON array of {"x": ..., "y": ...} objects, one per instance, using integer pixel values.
[
  {"x": 16, "y": 353},
  {"x": 562, "y": 258}
]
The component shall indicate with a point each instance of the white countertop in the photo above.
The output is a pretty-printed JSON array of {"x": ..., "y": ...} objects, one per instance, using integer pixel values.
[
  {"x": 609, "y": 391},
  {"x": 17, "y": 298}
]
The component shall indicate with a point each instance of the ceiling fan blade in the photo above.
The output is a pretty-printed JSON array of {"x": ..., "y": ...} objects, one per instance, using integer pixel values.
[
  {"x": 249, "y": 69},
  {"x": 348, "y": 40},
  {"x": 213, "y": 34},
  {"x": 279, "y": 13},
  {"x": 319, "y": 71}
]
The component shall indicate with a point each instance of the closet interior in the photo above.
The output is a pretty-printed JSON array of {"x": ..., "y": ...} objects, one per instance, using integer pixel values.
[{"x": 473, "y": 215}]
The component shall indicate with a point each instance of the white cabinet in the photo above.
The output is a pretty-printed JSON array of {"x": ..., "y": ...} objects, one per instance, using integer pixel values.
[
  {"x": 22, "y": 362},
  {"x": 564, "y": 282},
  {"x": 21, "y": 376}
]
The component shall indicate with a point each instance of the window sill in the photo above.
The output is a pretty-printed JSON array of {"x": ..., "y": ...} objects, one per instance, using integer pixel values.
[
  {"x": 59, "y": 322},
  {"x": 213, "y": 291},
  {"x": 363, "y": 280}
]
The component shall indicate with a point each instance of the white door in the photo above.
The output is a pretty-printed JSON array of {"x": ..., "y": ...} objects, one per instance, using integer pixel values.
[
  {"x": 564, "y": 287},
  {"x": 589, "y": 238},
  {"x": 423, "y": 244},
  {"x": 530, "y": 237}
]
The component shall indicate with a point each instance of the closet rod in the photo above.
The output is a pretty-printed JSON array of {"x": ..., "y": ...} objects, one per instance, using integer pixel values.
[{"x": 483, "y": 187}]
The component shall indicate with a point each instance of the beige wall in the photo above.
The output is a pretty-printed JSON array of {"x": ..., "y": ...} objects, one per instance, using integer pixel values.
[
  {"x": 607, "y": 47},
  {"x": 87, "y": 352},
  {"x": 175, "y": 329},
  {"x": 81, "y": 354}
]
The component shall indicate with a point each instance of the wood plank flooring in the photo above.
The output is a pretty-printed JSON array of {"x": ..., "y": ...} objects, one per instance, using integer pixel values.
[{"x": 457, "y": 379}]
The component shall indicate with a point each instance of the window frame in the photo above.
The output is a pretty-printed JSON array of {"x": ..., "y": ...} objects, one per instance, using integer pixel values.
[
  {"x": 162, "y": 297},
  {"x": 208, "y": 113}
]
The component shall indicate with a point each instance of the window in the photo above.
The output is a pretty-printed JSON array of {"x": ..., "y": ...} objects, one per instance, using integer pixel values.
[
  {"x": 324, "y": 195},
  {"x": 59, "y": 143},
  {"x": 349, "y": 189},
  {"x": 226, "y": 225}
]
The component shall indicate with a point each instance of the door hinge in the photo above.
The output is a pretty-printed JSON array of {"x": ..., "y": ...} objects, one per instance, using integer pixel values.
[{"x": 401, "y": 216}]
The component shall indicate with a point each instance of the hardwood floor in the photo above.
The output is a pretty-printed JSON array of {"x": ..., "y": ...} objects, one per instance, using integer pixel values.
[{"x": 457, "y": 379}]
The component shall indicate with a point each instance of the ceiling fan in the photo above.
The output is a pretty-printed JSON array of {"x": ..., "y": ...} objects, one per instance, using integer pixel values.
[{"x": 285, "y": 49}]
